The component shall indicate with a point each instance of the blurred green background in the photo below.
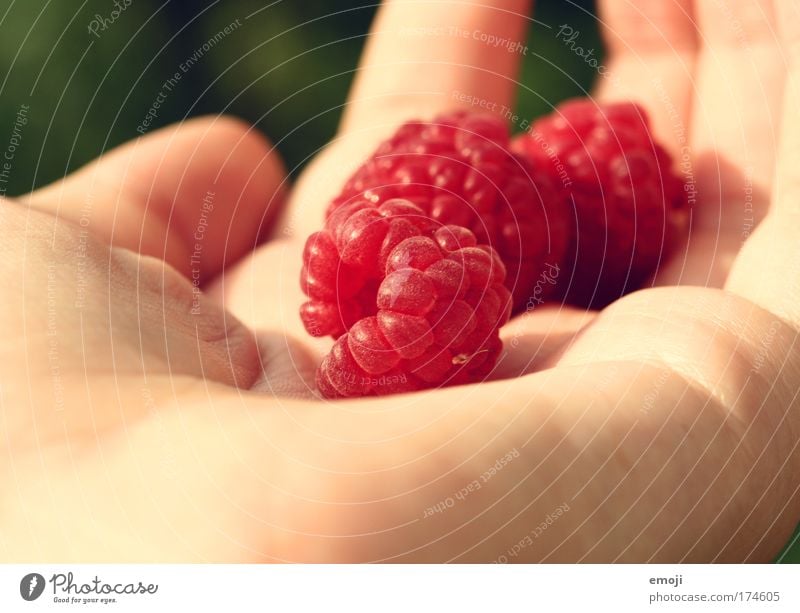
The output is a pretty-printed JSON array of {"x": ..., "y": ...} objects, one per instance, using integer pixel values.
[{"x": 286, "y": 69}]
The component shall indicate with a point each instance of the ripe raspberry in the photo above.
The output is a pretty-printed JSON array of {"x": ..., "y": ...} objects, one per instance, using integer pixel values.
[
  {"x": 413, "y": 304},
  {"x": 629, "y": 205},
  {"x": 459, "y": 170}
]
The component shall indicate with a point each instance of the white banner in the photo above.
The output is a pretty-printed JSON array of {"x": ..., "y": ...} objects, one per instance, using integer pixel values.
[{"x": 400, "y": 588}]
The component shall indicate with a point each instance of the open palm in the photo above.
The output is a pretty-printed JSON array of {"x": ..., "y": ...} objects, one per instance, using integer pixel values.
[{"x": 664, "y": 428}]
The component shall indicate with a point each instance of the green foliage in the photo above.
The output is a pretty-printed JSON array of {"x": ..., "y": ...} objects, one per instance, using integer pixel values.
[
  {"x": 791, "y": 553},
  {"x": 287, "y": 69}
]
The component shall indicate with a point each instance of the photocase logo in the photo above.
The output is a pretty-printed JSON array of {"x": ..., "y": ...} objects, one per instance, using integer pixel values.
[{"x": 31, "y": 586}]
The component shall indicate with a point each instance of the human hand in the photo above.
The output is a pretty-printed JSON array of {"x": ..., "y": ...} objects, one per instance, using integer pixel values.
[{"x": 668, "y": 428}]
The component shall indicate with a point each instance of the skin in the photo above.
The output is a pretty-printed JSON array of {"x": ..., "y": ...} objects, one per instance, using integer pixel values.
[{"x": 142, "y": 422}]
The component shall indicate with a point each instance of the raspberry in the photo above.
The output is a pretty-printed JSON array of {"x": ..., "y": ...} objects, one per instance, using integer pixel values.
[
  {"x": 629, "y": 205},
  {"x": 412, "y": 303},
  {"x": 459, "y": 170}
]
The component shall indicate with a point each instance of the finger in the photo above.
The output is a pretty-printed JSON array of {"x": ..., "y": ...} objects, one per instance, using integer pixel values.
[
  {"x": 767, "y": 270},
  {"x": 426, "y": 56},
  {"x": 735, "y": 128},
  {"x": 652, "y": 47},
  {"x": 198, "y": 195},
  {"x": 535, "y": 339},
  {"x": 551, "y": 440},
  {"x": 739, "y": 83},
  {"x": 269, "y": 302},
  {"x": 422, "y": 57},
  {"x": 76, "y": 307}
]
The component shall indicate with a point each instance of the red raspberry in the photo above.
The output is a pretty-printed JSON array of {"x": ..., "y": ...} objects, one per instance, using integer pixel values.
[
  {"x": 629, "y": 205},
  {"x": 459, "y": 170},
  {"x": 413, "y": 304}
]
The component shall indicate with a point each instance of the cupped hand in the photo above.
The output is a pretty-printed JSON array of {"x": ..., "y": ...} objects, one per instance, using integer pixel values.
[{"x": 146, "y": 421}]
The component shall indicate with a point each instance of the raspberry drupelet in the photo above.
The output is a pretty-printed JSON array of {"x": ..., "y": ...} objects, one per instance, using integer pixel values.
[
  {"x": 414, "y": 270},
  {"x": 629, "y": 205},
  {"x": 413, "y": 304},
  {"x": 459, "y": 170}
]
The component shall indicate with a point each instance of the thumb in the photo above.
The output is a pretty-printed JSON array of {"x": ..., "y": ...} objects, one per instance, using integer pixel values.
[{"x": 198, "y": 195}]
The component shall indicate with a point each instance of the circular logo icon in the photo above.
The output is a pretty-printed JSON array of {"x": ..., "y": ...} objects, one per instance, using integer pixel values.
[{"x": 31, "y": 586}]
